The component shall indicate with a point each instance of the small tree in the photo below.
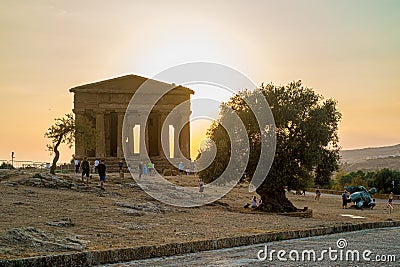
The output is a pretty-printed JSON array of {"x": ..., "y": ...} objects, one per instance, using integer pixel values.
[{"x": 65, "y": 131}]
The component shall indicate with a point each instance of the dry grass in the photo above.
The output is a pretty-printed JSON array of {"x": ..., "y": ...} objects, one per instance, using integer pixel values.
[{"x": 98, "y": 219}]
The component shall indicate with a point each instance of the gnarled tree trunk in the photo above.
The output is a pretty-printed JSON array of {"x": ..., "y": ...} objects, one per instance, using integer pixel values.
[
  {"x": 56, "y": 156},
  {"x": 274, "y": 200}
]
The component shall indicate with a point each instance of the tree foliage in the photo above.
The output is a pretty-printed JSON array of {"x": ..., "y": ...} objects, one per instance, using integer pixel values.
[
  {"x": 382, "y": 180},
  {"x": 65, "y": 131},
  {"x": 307, "y": 141}
]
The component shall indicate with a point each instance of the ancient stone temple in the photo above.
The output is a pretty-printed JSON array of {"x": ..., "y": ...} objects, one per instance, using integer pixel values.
[{"x": 105, "y": 103}]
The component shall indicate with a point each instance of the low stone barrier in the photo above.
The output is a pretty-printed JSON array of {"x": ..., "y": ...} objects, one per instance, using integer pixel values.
[{"x": 90, "y": 258}]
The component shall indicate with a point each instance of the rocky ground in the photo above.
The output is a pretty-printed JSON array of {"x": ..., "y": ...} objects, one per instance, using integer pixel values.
[{"x": 43, "y": 214}]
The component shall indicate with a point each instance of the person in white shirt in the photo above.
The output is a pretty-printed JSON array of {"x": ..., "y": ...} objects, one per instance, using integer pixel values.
[{"x": 96, "y": 164}]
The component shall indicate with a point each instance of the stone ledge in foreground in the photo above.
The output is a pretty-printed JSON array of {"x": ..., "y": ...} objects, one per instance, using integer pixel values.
[{"x": 96, "y": 257}]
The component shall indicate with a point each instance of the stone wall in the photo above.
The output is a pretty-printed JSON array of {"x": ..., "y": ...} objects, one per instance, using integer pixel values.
[{"x": 90, "y": 258}]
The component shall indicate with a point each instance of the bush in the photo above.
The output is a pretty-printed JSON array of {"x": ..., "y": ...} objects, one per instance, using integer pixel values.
[{"x": 6, "y": 166}]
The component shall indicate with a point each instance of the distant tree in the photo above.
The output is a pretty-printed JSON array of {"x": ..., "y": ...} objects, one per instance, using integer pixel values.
[
  {"x": 383, "y": 181},
  {"x": 64, "y": 130},
  {"x": 307, "y": 141}
]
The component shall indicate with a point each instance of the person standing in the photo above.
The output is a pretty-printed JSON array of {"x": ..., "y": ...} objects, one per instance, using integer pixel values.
[
  {"x": 317, "y": 193},
  {"x": 85, "y": 170},
  {"x": 120, "y": 165},
  {"x": 344, "y": 199},
  {"x": 390, "y": 202},
  {"x": 101, "y": 169},
  {"x": 180, "y": 167},
  {"x": 150, "y": 168},
  {"x": 140, "y": 169},
  {"x": 201, "y": 187},
  {"x": 194, "y": 168},
  {"x": 96, "y": 164},
  {"x": 145, "y": 169},
  {"x": 77, "y": 164}
]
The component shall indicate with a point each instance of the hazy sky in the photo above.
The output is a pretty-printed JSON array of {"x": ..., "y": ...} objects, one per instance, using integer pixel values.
[{"x": 347, "y": 50}]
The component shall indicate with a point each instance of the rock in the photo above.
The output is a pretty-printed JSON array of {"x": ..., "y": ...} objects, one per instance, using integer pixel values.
[
  {"x": 47, "y": 180},
  {"x": 147, "y": 207},
  {"x": 66, "y": 222},
  {"x": 130, "y": 212},
  {"x": 167, "y": 172},
  {"x": 34, "y": 240}
]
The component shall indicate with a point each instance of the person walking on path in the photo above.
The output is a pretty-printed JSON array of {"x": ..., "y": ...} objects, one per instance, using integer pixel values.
[
  {"x": 120, "y": 165},
  {"x": 201, "y": 187},
  {"x": 390, "y": 202},
  {"x": 140, "y": 169},
  {"x": 77, "y": 165},
  {"x": 96, "y": 164},
  {"x": 344, "y": 200},
  {"x": 85, "y": 170},
  {"x": 101, "y": 169}
]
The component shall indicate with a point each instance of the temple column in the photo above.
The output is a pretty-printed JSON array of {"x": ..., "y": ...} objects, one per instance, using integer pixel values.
[
  {"x": 127, "y": 136},
  {"x": 131, "y": 140},
  {"x": 177, "y": 127},
  {"x": 79, "y": 146},
  {"x": 185, "y": 140},
  {"x": 143, "y": 132},
  {"x": 164, "y": 132},
  {"x": 107, "y": 134},
  {"x": 120, "y": 153},
  {"x": 100, "y": 140}
]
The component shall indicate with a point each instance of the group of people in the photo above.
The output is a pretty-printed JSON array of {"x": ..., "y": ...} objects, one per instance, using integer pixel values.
[
  {"x": 99, "y": 167},
  {"x": 254, "y": 203},
  {"x": 389, "y": 203},
  {"x": 187, "y": 170},
  {"x": 146, "y": 169}
]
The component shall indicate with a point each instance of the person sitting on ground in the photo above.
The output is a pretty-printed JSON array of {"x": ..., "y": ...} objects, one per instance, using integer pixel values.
[
  {"x": 372, "y": 204},
  {"x": 254, "y": 202}
]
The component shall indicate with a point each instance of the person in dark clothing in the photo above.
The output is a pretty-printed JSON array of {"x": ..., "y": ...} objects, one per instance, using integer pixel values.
[
  {"x": 344, "y": 199},
  {"x": 101, "y": 169},
  {"x": 140, "y": 169},
  {"x": 85, "y": 170},
  {"x": 120, "y": 165}
]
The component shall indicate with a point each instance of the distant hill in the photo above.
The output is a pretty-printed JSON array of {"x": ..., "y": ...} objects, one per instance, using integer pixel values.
[{"x": 371, "y": 159}]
